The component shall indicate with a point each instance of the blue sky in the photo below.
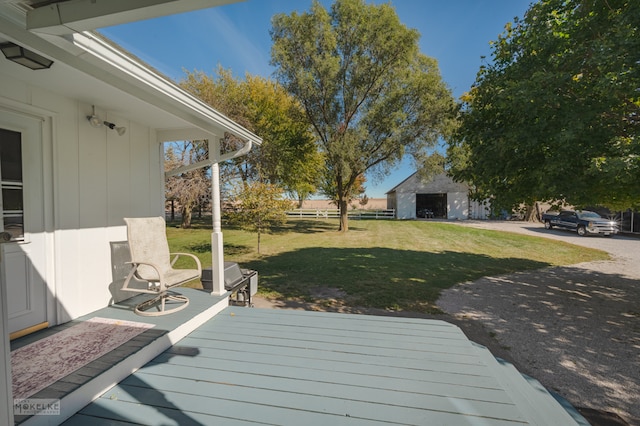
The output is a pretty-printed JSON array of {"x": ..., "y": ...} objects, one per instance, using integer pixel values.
[{"x": 455, "y": 32}]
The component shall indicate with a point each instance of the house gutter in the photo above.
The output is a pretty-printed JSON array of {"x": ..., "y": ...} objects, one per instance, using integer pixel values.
[{"x": 211, "y": 161}]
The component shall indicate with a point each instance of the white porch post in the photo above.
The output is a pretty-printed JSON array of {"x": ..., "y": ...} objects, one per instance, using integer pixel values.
[{"x": 217, "y": 255}]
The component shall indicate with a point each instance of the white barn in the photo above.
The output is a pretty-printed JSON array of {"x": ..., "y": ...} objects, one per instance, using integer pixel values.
[
  {"x": 440, "y": 198},
  {"x": 82, "y": 127}
]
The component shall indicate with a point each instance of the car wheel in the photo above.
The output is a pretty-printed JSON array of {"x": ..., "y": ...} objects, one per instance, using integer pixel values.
[
  {"x": 582, "y": 231},
  {"x": 547, "y": 225}
]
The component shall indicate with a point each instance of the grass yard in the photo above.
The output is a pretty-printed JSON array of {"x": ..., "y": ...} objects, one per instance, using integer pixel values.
[{"x": 396, "y": 265}]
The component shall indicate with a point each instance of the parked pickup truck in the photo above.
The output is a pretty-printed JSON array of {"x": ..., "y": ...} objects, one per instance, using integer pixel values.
[{"x": 583, "y": 222}]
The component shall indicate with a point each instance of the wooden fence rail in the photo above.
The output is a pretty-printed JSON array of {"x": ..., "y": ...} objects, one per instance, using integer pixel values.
[{"x": 335, "y": 213}]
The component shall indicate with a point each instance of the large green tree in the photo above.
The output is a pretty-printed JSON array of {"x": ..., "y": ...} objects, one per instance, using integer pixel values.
[
  {"x": 288, "y": 156},
  {"x": 368, "y": 92},
  {"x": 554, "y": 116}
]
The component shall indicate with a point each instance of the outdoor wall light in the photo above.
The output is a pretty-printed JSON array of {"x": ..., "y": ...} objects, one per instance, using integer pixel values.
[
  {"x": 96, "y": 121},
  {"x": 24, "y": 57}
]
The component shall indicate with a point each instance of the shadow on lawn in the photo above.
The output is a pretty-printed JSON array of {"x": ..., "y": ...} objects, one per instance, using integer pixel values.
[{"x": 382, "y": 278}]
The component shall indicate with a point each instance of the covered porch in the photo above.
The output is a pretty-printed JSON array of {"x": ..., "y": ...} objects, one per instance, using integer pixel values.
[{"x": 219, "y": 364}]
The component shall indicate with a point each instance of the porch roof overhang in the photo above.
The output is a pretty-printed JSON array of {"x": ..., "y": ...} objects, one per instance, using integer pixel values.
[
  {"x": 91, "y": 69},
  {"x": 73, "y": 16}
]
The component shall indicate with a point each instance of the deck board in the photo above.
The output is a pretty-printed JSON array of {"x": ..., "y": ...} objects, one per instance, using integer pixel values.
[
  {"x": 269, "y": 388},
  {"x": 242, "y": 361},
  {"x": 263, "y": 366}
]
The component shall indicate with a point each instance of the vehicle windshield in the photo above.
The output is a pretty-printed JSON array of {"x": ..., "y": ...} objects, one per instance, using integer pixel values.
[{"x": 589, "y": 215}]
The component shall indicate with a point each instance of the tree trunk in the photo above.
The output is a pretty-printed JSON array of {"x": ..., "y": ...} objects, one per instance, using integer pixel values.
[
  {"x": 344, "y": 215},
  {"x": 258, "y": 241},
  {"x": 186, "y": 216},
  {"x": 532, "y": 212}
]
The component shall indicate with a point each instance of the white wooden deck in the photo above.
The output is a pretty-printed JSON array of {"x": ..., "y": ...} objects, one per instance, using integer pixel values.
[{"x": 262, "y": 366}]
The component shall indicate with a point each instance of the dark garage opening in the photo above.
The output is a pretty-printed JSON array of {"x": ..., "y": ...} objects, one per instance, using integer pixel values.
[{"x": 431, "y": 206}]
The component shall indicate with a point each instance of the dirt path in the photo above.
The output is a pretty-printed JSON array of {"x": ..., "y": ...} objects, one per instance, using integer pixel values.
[{"x": 575, "y": 329}]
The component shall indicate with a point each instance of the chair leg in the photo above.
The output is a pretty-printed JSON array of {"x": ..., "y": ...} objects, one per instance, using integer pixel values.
[{"x": 144, "y": 308}]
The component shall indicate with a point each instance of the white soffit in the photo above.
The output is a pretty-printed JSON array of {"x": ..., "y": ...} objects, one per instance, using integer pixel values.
[{"x": 66, "y": 17}]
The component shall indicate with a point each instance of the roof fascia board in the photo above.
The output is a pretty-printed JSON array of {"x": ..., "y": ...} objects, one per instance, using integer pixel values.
[
  {"x": 82, "y": 15},
  {"x": 189, "y": 134},
  {"x": 141, "y": 81},
  {"x": 395, "y": 188}
]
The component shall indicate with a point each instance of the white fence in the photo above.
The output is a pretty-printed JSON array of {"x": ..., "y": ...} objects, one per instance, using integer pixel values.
[{"x": 335, "y": 213}]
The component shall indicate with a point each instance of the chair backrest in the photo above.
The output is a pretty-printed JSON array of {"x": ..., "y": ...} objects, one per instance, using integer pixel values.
[{"x": 148, "y": 243}]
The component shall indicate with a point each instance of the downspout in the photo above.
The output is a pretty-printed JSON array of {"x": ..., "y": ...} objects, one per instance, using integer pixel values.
[{"x": 217, "y": 246}]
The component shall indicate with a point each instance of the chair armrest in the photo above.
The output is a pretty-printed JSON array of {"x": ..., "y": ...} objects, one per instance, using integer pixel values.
[
  {"x": 193, "y": 256},
  {"x": 133, "y": 273}
]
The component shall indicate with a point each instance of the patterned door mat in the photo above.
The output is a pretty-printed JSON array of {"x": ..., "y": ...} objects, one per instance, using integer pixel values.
[{"x": 42, "y": 363}]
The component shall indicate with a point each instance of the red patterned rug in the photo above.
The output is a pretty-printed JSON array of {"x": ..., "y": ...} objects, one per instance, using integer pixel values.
[{"x": 42, "y": 363}]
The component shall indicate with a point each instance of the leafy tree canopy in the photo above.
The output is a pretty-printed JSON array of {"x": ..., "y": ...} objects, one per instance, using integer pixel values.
[
  {"x": 258, "y": 207},
  {"x": 366, "y": 90},
  {"x": 555, "y": 116},
  {"x": 288, "y": 156}
]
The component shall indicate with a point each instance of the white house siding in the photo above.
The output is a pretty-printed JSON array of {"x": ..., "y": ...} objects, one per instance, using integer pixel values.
[{"x": 96, "y": 178}]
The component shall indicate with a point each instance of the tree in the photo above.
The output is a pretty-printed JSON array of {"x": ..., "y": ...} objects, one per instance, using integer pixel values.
[
  {"x": 368, "y": 93},
  {"x": 328, "y": 187},
  {"x": 258, "y": 207},
  {"x": 188, "y": 188},
  {"x": 555, "y": 116},
  {"x": 288, "y": 156},
  {"x": 432, "y": 166}
]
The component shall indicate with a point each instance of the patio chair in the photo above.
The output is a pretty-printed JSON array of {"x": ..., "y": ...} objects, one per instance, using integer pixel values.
[{"x": 151, "y": 262}]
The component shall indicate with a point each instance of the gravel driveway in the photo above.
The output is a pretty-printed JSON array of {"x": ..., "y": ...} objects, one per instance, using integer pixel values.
[{"x": 576, "y": 329}]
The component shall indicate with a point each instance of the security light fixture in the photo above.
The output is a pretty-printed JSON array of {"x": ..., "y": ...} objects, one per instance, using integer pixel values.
[
  {"x": 96, "y": 121},
  {"x": 25, "y": 57},
  {"x": 120, "y": 130}
]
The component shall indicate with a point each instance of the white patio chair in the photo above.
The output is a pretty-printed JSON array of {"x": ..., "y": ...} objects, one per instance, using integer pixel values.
[{"x": 151, "y": 262}]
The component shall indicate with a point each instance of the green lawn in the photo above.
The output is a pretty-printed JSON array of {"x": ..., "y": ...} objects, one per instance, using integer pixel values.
[{"x": 399, "y": 265}]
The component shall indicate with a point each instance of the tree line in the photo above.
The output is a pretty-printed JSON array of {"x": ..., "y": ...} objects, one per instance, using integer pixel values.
[{"x": 552, "y": 115}]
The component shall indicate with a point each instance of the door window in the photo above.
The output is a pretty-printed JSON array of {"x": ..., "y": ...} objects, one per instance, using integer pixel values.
[{"x": 11, "y": 196}]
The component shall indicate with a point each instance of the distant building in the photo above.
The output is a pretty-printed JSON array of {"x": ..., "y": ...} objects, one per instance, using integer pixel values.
[{"x": 437, "y": 198}]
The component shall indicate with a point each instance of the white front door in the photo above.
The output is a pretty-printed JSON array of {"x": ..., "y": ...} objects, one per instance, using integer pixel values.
[{"x": 23, "y": 256}]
